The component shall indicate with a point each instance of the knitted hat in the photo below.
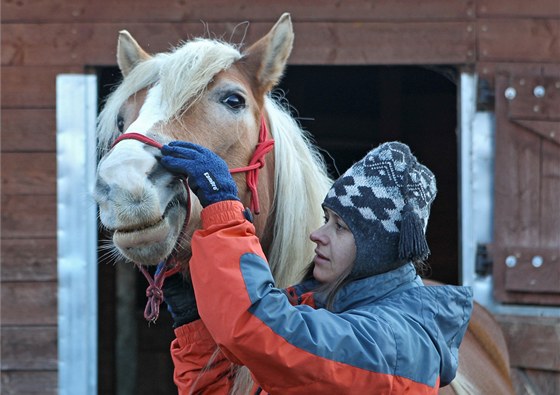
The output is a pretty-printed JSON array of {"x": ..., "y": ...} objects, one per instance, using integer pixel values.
[{"x": 385, "y": 200}]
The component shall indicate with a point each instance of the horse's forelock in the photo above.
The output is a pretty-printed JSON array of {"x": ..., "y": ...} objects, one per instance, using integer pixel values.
[
  {"x": 183, "y": 73},
  {"x": 142, "y": 76},
  {"x": 190, "y": 69}
]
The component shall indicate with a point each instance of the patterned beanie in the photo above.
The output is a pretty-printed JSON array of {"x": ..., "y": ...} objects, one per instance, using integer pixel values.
[{"x": 385, "y": 200}]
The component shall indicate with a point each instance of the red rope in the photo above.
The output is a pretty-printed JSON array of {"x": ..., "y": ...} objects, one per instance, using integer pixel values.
[
  {"x": 154, "y": 291},
  {"x": 256, "y": 163},
  {"x": 137, "y": 136}
]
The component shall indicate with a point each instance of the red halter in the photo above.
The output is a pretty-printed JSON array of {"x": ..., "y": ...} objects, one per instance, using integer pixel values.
[{"x": 154, "y": 291}]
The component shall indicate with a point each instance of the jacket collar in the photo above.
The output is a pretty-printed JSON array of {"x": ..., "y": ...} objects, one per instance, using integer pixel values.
[{"x": 373, "y": 288}]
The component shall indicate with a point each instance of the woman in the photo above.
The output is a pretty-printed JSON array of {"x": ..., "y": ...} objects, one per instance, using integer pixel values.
[{"x": 361, "y": 322}]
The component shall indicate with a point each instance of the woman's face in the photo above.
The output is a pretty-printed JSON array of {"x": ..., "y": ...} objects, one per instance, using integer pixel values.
[{"x": 336, "y": 248}]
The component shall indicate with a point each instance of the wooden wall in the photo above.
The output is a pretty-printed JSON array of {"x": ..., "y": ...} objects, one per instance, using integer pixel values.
[{"x": 41, "y": 39}]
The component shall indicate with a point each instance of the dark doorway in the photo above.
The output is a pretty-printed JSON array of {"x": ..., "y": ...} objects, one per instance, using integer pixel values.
[
  {"x": 348, "y": 110},
  {"x": 351, "y": 109}
]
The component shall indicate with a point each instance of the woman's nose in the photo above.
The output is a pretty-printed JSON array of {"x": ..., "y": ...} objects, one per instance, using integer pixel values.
[{"x": 317, "y": 236}]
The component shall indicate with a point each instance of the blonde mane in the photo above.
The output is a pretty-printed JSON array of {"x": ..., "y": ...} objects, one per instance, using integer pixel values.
[{"x": 301, "y": 183}]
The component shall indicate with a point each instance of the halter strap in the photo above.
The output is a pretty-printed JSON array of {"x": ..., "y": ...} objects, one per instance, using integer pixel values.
[
  {"x": 263, "y": 147},
  {"x": 256, "y": 163},
  {"x": 171, "y": 266},
  {"x": 137, "y": 136}
]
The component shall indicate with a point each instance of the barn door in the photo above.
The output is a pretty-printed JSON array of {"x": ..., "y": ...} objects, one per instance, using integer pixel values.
[{"x": 526, "y": 249}]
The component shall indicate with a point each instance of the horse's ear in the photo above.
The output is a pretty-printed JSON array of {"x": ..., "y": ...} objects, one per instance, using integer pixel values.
[
  {"x": 268, "y": 56},
  {"x": 129, "y": 53}
]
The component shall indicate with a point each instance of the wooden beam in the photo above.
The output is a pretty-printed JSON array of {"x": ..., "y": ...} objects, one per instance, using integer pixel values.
[
  {"x": 316, "y": 43},
  {"x": 533, "y": 342},
  {"x": 28, "y": 173},
  {"x": 384, "y": 43},
  {"x": 29, "y": 348},
  {"x": 32, "y": 87},
  {"x": 28, "y": 130},
  {"x": 235, "y": 12},
  {"x": 29, "y": 382},
  {"x": 29, "y": 259},
  {"x": 29, "y": 303},
  {"x": 508, "y": 8},
  {"x": 489, "y": 70},
  {"x": 519, "y": 40},
  {"x": 28, "y": 216}
]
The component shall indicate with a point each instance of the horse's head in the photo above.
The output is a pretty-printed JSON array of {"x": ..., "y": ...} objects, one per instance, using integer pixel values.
[{"x": 204, "y": 91}]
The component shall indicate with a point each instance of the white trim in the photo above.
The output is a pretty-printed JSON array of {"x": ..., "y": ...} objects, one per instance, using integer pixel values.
[
  {"x": 76, "y": 111},
  {"x": 476, "y": 147}
]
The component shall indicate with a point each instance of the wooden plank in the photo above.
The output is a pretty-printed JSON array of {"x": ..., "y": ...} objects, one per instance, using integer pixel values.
[
  {"x": 316, "y": 43},
  {"x": 29, "y": 303},
  {"x": 488, "y": 70},
  {"x": 517, "y": 184},
  {"x": 550, "y": 130},
  {"x": 524, "y": 276},
  {"x": 27, "y": 216},
  {"x": 28, "y": 130},
  {"x": 533, "y": 342},
  {"x": 536, "y": 98},
  {"x": 29, "y": 259},
  {"x": 29, "y": 348},
  {"x": 549, "y": 194},
  {"x": 31, "y": 87},
  {"x": 228, "y": 11},
  {"x": 384, "y": 43},
  {"x": 508, "y": 8},
  {"x": 28, "y": 173},
  {"x": 29, "y": 383},
  {"x": 525, "y": 298},
  {"x": 519, "y": 40}
]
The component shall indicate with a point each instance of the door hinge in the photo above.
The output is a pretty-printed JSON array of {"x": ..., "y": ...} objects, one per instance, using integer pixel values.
[{"x": 483, "y": 262}]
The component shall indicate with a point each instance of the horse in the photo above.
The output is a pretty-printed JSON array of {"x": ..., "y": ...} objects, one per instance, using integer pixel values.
[{"x": 209, "y": 92}]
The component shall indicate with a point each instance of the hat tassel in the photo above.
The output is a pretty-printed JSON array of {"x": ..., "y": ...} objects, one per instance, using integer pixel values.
[{"x": 412, "y": 244}]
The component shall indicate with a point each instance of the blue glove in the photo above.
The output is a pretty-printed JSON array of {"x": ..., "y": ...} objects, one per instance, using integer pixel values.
[
  {"x": 178, "y": 294},
  {"x": 208, "y": 174}
]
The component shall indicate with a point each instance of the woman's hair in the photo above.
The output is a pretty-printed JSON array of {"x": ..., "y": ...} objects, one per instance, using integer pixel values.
[{"x": 331, "y": 288}]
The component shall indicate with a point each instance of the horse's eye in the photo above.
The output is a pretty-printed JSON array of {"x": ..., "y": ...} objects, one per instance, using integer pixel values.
[
  {"x": 120, "y": 124},
  {"x": 234, "y": 101}
]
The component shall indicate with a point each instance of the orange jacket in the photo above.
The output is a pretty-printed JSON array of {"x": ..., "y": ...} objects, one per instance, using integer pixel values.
[{"x": 385, "y": 336}]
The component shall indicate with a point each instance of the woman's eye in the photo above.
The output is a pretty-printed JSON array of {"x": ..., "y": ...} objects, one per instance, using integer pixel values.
[
  {"x": 120, "y": 124},
  {"x": 234, "y": 101}
]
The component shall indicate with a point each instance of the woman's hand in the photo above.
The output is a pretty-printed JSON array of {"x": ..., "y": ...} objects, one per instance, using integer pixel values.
[{"x": 208, "y": 174}]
